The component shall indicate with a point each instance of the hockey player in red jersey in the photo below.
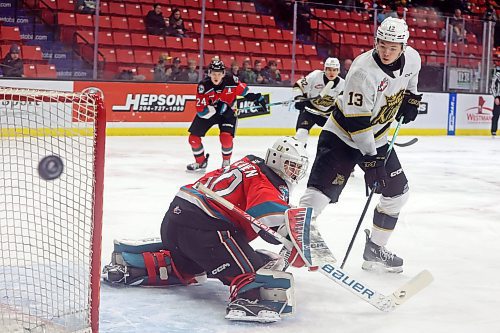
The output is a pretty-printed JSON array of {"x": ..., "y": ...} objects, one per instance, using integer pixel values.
[
  {"x": 214, "y": 99},
  {"x": 200, "y": 238}
]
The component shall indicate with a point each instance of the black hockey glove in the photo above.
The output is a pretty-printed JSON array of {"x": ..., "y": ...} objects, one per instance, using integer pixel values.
[
  {"x": 258, "y": 100},
  {"x": 409, "y": 107},
  {"x": 221, "y": 107},
  {"x": 375, "y": 174},
  {"x": 301, "y": 102}
]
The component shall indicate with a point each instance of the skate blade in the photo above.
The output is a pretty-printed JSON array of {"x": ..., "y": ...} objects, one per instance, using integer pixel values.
[
  {"x": 197, "y": 170},
  {"x": 262, "y": 317},
  {"x": 380, "y": 267}
]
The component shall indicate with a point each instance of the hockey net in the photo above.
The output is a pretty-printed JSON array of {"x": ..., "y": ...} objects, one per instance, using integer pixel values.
[{"x": 50, "y": 222}]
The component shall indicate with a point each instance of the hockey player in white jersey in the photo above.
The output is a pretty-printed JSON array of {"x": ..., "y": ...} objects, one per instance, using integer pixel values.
[
  {"x": 317, "y": 110},
  {"x": 381, "y": 86}
]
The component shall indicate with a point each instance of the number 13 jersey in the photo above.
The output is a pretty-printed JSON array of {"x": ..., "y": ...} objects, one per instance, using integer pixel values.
[{"x": 372, "y": 95}]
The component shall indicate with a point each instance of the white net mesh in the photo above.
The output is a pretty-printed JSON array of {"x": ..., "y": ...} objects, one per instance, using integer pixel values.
[{"x": 46, "y": 225}]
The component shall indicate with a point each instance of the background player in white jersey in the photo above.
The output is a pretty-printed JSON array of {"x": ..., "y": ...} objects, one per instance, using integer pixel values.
[
  {"x": 317, "y": 110},
  {"x": 381, "y": 86}
]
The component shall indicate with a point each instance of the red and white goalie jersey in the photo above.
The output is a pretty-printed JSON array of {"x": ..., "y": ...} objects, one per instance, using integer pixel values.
[{"x": 247, "y": 183}]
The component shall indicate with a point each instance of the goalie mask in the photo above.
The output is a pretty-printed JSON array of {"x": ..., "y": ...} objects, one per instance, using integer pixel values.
[{"x": 288, "y": 158}]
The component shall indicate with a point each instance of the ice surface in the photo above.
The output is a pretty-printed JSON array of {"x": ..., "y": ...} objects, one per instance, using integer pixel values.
[{"x": 451, "y": 226}]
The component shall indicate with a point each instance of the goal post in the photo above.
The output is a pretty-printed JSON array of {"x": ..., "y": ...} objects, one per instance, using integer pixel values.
[{"x": 52, "y": 146}]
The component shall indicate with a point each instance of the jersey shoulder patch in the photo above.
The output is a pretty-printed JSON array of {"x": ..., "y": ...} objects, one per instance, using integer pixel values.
[{"x": 201, "y": 88}]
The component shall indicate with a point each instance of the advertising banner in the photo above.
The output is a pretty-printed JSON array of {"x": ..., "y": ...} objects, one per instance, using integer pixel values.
[
  {"x": 134, "y": 102},
  {"x": 474, "y": 113}
]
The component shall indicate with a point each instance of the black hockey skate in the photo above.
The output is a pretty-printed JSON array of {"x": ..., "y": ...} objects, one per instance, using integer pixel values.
[
  {"x": 242, "y": 309},
  {"x": 378, "y": 258},
  {"x": 198, "y": 167}
]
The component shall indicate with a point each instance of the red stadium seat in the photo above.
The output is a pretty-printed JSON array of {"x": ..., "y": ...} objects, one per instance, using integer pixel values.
[
  {"x": 248, "y": 7},
  {"x": 139, "y": 40},
  {"x": 119, "y": 23},
  {"x": 33, "y": 53},
  {"x": 65, "y": 19},
  {"x": 121, "y": 38},
  {"x": 350, "y": 39},
  {"x": 156, "y": 41},
  {"x": 174, "y": 43},
  {"x": 237, "y": 46},
  {"x": 125, "y": 56},
  {"x": 254, "y": 19},
  {"x": 275, "y": 34},
  {"x": 261, "y": 33},
  {"x": 240, "y": 18},
  {"x": 143, "y": 57},
  {"x": 282, "y": 48},
  {"x": 226, "y": 17},
  {"x": 268, "y": 21},
  {"x": 247, "y": 32},
  {"x": 118, "y": 8},
  {"x": 136, "y": 24},
  {"x": 303, "y": 65},
  {"x": 190, "y": 44},
  {"x": 288, "y": 35},
  {"x": 253, "y": 47},
  {"x": 310, "y": 50},
  {"x": 29, "y": 70},
  {"x": 85, "y": 37},
  {"x": 234, "y": 6},
  {"x": 286, "y": 64},
  {"x": 105, "y": 22},
  {"x": 84, "y": 20},
  {"x": 211, "y": 16},
  {"x": 107, "y": 54},
  {"x": 147, "y": 71},
  {"x": 232, "y": 30},
  {"x": 217, "y": 29},
  {"x": 268, "y": 47},
  {"x": 46, "y": 71},
  {"x": 106, "y": 38},
  {"x": 133, "y": 9},
  {"x": 344, "y": 15},
  {"x": 208, "y": 44}
]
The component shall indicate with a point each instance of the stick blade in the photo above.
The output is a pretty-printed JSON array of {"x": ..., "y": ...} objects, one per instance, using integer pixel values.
[
  {"x": 325, "y": 90},
  {"x": 411, "y": 288}
]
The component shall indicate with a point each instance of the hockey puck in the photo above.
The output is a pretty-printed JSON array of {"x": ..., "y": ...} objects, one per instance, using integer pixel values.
[{"x": 50, "y": 167}]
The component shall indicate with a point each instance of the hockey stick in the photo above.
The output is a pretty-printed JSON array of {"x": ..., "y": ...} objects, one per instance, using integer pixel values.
[
  {"x": 322, "y": 94},
  {"x": 205, "y": 190},
  {"x": 327, "y": 264},
  {"x": 370, "y": 196},
  {"x": 406, "y": 144}
]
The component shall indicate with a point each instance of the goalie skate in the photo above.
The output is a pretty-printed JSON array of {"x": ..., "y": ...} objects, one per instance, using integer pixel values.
[{"x": 245, "y": 310}]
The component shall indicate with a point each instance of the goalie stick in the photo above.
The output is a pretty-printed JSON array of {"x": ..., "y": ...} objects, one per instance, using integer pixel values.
[
  {"x": 322, "y": 93},
  {"x": 315, "y": 253}
]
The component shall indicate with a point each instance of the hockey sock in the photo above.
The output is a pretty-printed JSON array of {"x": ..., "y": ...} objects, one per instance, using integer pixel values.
[
  {"x": 226, "y": 140},
  {"x": 197, "y": 148},
  {"x": 302, "y": 135},
  {"x": 383, "y": 225}
]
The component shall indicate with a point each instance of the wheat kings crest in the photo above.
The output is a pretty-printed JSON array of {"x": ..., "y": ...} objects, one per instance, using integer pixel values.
[{"x": 371, "y": 98}]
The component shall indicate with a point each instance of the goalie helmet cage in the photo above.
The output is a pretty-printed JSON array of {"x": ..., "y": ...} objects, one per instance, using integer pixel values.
[{"x": 50, "y": 222}]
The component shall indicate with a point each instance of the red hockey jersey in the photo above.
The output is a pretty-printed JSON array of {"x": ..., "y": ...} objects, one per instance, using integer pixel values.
[
  {"x": 226, "y": 91},
  {"x": 249, "y": 184}
]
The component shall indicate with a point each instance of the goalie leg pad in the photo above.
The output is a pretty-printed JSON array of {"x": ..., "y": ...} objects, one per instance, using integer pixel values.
[
  {"x": 150, "y": 268},
  {"x": 273, "y": 290}
]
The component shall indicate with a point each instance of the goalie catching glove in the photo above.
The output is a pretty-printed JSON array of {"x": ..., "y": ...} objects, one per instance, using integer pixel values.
[
  {"x": 409, "y": 107},
  {"x": 258, "y": 100}
]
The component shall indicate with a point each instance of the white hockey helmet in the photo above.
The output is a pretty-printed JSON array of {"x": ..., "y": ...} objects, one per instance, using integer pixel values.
[
  {"x": 288, "y": 158},
  {"x": 393, "y": 30},
  {"x": 332, "y": 62}
]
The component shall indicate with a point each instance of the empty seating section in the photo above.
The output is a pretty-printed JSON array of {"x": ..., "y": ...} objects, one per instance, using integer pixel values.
[
  {"x": 233, "y": 30},
  {"x": 354, "y": 32}
]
